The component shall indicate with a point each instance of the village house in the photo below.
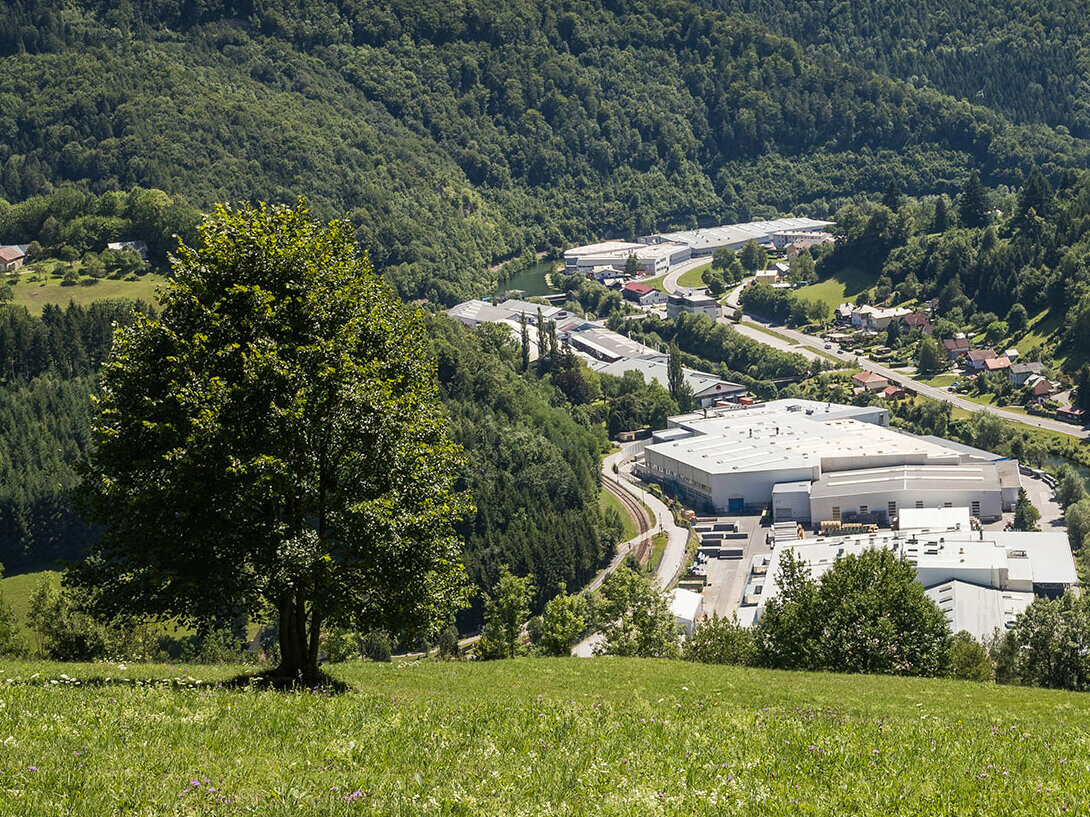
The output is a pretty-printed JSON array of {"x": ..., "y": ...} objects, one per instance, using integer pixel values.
[
  {"x": 869, "y": 381},
  {"x": 643, "y": 294},
  {"x": 1020, "y": 373},
  {"x": 956, "y": 347},
  {"x": 975, "y": 358},
  {"x": 917, "y": 320},
  {"x": 12, "y": 257},
  {"x": 996, "y": 364}
]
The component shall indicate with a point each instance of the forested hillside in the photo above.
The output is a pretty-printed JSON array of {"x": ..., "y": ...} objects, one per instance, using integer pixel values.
[
  {"x": 1025, "y": 58},
  {"x": 456, "y": 135}
]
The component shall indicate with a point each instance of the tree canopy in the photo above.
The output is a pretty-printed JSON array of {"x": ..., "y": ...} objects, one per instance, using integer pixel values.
[{"x": 274, "y": 439}]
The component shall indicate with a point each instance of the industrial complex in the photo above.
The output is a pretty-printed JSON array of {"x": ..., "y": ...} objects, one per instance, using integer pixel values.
[
  {"x": 816, "y": 462},
  {"x": 980, "y": 579},
  {"x": 655, "y": 254}
]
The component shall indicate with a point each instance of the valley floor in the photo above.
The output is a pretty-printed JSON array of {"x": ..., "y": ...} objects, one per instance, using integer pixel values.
[{"x": 534, "y": 736}]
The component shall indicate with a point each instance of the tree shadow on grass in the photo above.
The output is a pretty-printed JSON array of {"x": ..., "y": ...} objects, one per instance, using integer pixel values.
[{"x": 324, "y": 683}]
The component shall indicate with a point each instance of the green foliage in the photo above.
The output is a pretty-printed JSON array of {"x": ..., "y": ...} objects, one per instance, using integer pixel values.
[
  {"x": 679, "y": 389},
  {"x": 1070, "y": 487},
  {"x": 867, "y": 613},
  {"x": 448, "y": 643},
  {"x": 376, "y": 646},
  {"x": 969, "y": 661},
  {"x": 930, "y": 357},
  {"x": 1049, "y": 644},
  {"x": 274, "y": 439},
  {"x": 721, "y": 641},
  {"x": 8, "y": 641},
  {"x": 505, "y": 611},
  {"x": 784, "y": 305},
  {"x": 563, "y": 621},
  {"x": 1025, "y": 512},
  {"x": 753, "y": 257},
  {"x": 636, "y": 618}
]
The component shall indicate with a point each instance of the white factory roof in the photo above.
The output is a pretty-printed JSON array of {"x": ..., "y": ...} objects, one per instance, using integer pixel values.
[
  {"x": 603, "y": 248},
  {"x": 978, "y": 476},
  {"x": 477, "y": 311},
  {"x": 516, "y": 307},
  {"x": 789, "y": 434},
  {"x": 730, "y": 234},
  {"x": 608, "y": 345},
  {"x": 999, "y": 559},
  {"x": 658, "y": 370},
  {"x": 685, "y": 604},
  {"x": 978, "y": 610}
]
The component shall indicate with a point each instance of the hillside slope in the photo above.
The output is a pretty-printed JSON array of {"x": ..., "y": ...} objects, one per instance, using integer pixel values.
[
  {"x": 456, "y": 135},
  {"x": 533, "y": 736}
]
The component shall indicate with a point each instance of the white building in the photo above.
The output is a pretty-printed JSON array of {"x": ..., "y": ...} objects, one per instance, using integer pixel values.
[
  {"x": 687, "y": 607},
  {"x": 879, "y": 494},
  {"x": 473, "y": 313},
  {"x": 980, "y": 579},
  {"x": 707, "y": 240},
  {"x": 708, "y": 390},
  {"x": 737, "y": 458},
  {"x": 651, "y": 259},
  {"x": 694, "y": 305},
  {"x": 875, "y": 318}
]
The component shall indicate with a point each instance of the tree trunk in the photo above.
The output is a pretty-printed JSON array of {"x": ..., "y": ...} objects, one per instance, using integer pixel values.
[{"x": 298, "y": 656}]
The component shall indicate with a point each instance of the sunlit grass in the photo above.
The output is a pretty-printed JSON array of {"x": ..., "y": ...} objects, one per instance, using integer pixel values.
[{"x": 602, "y": 736}]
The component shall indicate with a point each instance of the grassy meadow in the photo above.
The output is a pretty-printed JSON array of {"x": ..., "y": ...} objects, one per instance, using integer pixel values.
[
  {"x": 34, "y": 294},
  {"x": 534, "y": 736}
]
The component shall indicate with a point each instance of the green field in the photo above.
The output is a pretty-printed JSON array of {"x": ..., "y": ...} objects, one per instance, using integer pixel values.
[
  {"x": 836, "y": 290},
  {"x": 655, "y": 283},
  {"x": 535, "y": 736},
  {"x": 940, "y": 380},
  {"x": 608, "y": 500},
  {"x": 17, "y": 591},
  {"x": 34, "y": 295},
  {"x": 694, "y": 277}
]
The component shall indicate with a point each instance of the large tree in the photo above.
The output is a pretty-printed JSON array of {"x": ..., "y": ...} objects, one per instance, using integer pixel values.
[{"x": 274, "y": 442}]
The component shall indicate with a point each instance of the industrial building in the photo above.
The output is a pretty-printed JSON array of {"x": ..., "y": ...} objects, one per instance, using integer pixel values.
[
  {"x": 708, "y": 390},
  {"x": 980, "y": 579},
  {"x": 812, "y": 462},
  {"x": 651, "y": 259},
  {"x": 707, "y": 240}
]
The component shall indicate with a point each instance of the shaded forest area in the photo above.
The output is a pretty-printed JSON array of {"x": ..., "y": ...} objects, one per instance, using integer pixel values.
[{"x": 457, "y": 135}]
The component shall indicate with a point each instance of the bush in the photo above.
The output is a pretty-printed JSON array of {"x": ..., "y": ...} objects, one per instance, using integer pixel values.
[
  {"x": 377, "y": 646},
  {"x": 969, "y": 660}
]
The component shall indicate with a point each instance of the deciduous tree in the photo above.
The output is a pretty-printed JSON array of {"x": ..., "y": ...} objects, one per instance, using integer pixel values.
[{"x": 273, "y": 439}]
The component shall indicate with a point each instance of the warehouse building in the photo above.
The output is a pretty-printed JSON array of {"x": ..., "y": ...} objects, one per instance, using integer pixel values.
[
  {"x": 693, "y": 305},
  {"x": 708, "y": 390},
  {"x": 707, "y": 240},
  {"x": 651, "y": 259},
  {"x": 813, "y": 461},
  {"x": 877, "y": 495}
]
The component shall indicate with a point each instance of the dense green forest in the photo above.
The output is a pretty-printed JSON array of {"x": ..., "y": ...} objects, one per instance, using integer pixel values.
[
  {"x": 1025, "y": 58},
  {"x": 532, "y": 469},
  {"x": 457, "y": 135}
]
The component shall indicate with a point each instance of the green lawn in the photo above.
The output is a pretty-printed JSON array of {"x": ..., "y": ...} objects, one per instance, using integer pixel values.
[
  {"x": 656, "y": 283},
  {"x": 535, "y": 736},
  {"x": 36, "y": 295},
  {"x": 17, "y": 590},
  {"x": 694, "y": 277},
  {"x": 835, "y": 291},
  {"x": 608, "y": 500},
  {"x": 940, "y": 380}
]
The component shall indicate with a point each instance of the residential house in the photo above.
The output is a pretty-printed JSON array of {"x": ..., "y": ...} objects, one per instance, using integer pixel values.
[
  {"x": 869, "y": 381},
  {"x": 766, "y": 276},
  {"x": 1040, "y": 386},
  {"x": 975, "y": 358},
  {"x": 893, "y": 393},
  {"x": 844, "y": 313},
  {"x": 917, "y": 320},
  {"x": 1071, "y": 414},
  {"x": 875, "y": 319},
  {"x": 12, "y": 258},
  {"x": 693, "y": 304},
  {"x": 956, "y": 347},
  {"x": 643, "y": 294},
  {"x": 996, "y": 364},
  {"x": 1012, "y": 354},
  {"x": 1019, "y": 373}
]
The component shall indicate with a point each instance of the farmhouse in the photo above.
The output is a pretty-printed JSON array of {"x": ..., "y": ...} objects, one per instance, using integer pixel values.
[{"x": 12, "y": 257}]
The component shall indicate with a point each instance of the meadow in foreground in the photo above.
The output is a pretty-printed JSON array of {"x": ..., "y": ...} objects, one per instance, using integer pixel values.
[{"x": 534, "y": 736}]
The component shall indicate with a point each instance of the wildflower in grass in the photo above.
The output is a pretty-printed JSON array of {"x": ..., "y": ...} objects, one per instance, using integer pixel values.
[{"x": 32, "y": 768}]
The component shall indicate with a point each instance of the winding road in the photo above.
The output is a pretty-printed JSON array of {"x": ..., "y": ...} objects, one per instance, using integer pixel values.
[{"x": 812, "y": 346}]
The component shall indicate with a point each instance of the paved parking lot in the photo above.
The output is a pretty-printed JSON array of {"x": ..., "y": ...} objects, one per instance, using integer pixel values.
[{"x": 727, "y": 577}]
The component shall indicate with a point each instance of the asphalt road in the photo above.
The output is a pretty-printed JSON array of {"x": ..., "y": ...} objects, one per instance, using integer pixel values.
[{"x": 809, "y": 342}]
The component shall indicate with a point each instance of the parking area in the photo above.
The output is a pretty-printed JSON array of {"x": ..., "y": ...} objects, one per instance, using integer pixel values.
[{"x": 727, "y": 577}]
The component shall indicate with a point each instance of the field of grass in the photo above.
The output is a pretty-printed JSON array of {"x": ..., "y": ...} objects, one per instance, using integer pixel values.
[
  {"x": 655, "y": 283},
  {"x": 608, "y": 500},
  {"x": 535, "y": 736},
  {"x": 34, "y": 295},
  {"x": 835, "y": 291},
  {"x": 940, "y": 380},
  {"x": 17, "y": 590},
  {"x": 694, "y": 277}
]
